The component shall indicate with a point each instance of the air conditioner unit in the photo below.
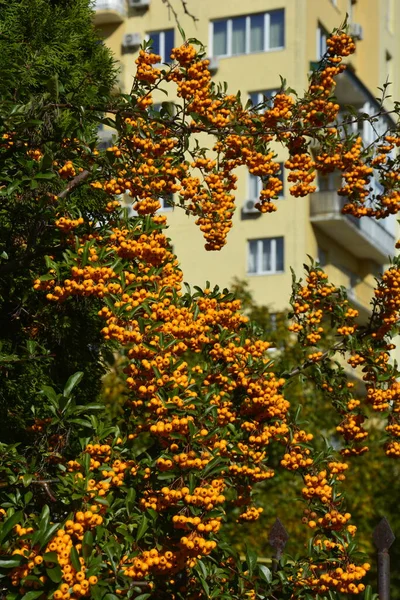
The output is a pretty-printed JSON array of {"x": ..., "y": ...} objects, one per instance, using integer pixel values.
[
  {"x": 356, "y": 31},
  {"x": 213, "y": 64},
  {"x": 249, "y": 207},
  {"x": 132, "y": 40},
  {"x": 139, "y": 3}
]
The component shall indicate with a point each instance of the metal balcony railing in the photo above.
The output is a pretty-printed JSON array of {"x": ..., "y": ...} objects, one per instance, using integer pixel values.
[{"x": 364, "y": 238}]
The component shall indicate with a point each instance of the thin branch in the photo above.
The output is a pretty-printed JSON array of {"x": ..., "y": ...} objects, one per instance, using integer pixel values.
[
  {"x": 48, "y": 491},
  {"x": 43, "y": 481},
  {"x": 74, "y": 183},
  {"x": 186, "y": 11},
  {"x": 308, "y": 363},
  {"x": 126, "y": 112}
]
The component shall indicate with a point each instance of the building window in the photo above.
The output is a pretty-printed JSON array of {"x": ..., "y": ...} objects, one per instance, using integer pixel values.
[
  {"x": 128, "y": 202},
  {"x": 265, "y": 256},
  {"x": 256, "y": 184},
  {"x": 252, "y": 33},
  {"x": 322, "y": 257},
  {"x": 322, "y": 36},
  {"x": 167, "y": 203},
  {"x": 257, "y": 98},
  {"x": 162, "y": 43}
]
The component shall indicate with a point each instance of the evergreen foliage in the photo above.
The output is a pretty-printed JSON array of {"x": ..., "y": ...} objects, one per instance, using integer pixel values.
[{"x": 50, "y": 55}]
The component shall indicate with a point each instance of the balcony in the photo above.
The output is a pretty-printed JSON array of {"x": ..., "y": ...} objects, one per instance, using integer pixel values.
[
  {"x": 360, "y": 295},
  {"x": 364, "y": 238},
  {"x": 359, "y": 291},
  {"x": 109, "y": 11}
]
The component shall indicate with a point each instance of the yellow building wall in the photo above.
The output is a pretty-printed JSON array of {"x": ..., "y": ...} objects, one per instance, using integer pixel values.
[{"x": 257, "y": 72}]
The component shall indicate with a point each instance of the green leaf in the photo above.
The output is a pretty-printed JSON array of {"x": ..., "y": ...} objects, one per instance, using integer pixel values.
[
  {"x": 9, "y": 563},
  {"x": 9, "y": 525},
  {"x": 44, "y": 517},
  {"x": 205, "y": 586},
  {"x": 201, "y": 567},
  {"x": 71, "y": 383},
  {"x": 49, "y": 534},
  {"x": 27, "y": 479},
  {"x": 368, "y": 593},
  {"x": 75, "y": 559},
  {"x": 49, "y": 392},
  {"x": 50, "y": 557},
  {"x": 265, "y": 573},
  {"x": 45, "y": 175},
  {"x": 46, "y": 162},
  {"x": 32, "y": 595},
  {"x": 53, "y": 87},
  {"x": 142, "y": 597},
  {"x": 55, "y": 574},
  {"x": 251, "y": 559},
  {"x": 142, "y": 528},
  {"x": 130, "y": 500},
  {"x": 112, "y": 550},
  {"x": 83, "y": 422},
  {"x": 218, "y": 460},
  {"x": 87, "y": 544},
  {"x": 89, "y": 407}
]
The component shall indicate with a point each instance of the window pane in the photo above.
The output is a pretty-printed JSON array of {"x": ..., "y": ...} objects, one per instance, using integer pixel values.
[
  {"x": 254, "y": 186},
  {"x": 239, "y": 35},
  {"x": 268, "y": 94},
  {"x": 220, "y": 38},
  {"x": 322, "y": 257},
  {"x": 280, "y": 176},
  {"x": 155, "y": 37},
  {"x": 252, "y": 257},
  {"x": 254, "y": 97},
  {"x": 256, "y": 33},
  {"x": 262, "y": 97},
  {"x": 167, "y": 202},
  {"x": 279, "y": 254},
  {"x": 168, "y": 44},
  {"x": 276, "y": 29},
  {"x": 266, "y": 265}
]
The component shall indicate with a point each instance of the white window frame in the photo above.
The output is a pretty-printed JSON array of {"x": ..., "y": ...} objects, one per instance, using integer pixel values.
[
  {"x": 161, "y": 33},
  {"x": 267, "y": 21},
  {"x": 165, "y": 207},
  {"x": 261, "y": 95},
  {"x": 132, "y": 213},
  {"x": 322, "y": 34},
  {"x": 259, "y": 270}
]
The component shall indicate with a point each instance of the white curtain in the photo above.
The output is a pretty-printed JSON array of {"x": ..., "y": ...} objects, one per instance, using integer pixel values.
[
  {"x": 220, "y": 38},
  {"x": 266, "y": 259},
  {"x": 276, "y": 29},
  {"x": 252, "y": 257},
  {"x": 239, "y": 35},
  {"x": 254, "y": 186},
  {"x": 257, "y": 33}
]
